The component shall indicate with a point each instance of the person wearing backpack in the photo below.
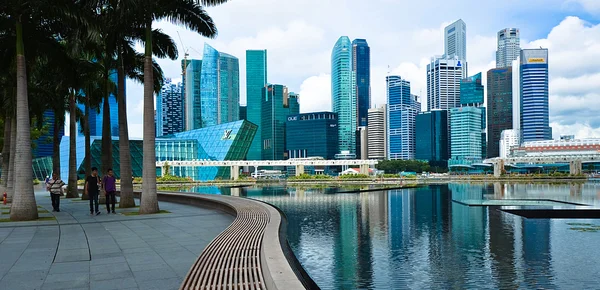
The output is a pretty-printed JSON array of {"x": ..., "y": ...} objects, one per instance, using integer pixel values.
[
  {"x": 55, "y": 186},
  {"x": 92, "y": 189}
]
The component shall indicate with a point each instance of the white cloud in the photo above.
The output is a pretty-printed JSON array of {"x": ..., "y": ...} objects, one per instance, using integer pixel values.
[
  {"x": 315, "y": 94},
  {"x": 580, "y": 130}
]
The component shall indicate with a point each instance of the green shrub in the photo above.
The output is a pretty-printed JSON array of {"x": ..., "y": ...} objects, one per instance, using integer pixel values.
[
  {"x": 305, "y": 176},
  {"x": 354, "y": 176},
  {"x": 36, "y": 181},
  {"x": 171, "y": 178}
]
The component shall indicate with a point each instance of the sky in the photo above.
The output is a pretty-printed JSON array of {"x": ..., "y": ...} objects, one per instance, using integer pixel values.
[{"x": 403, "y": 36}]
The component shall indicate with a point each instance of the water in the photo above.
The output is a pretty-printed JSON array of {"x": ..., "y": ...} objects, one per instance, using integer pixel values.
[{"x": 421, "y": 239}]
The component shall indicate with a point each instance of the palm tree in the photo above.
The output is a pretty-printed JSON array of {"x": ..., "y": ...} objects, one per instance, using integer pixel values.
[{"x": 190, "y": 14}]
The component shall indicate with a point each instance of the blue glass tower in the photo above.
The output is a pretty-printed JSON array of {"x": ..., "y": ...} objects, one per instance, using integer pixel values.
[
  {"x": 472, "y": 95},
  {"x": 312, "y": 135},
  {"x": 43, "y": 145},
  {"x": 256, "y": 80},
  {"x": 191, "y": 84},
  {"x": 343, "y": 93},
  {"x": 95, "y": 118},
  {"x": 535, "y": 120},
  {"x": 276, "y": 106},
  {"x": 361, "y": 68},
  {"x": 402, "y": 111},
  {"x": 432, "y": 136},
  {"x": 169, "y": 109}
]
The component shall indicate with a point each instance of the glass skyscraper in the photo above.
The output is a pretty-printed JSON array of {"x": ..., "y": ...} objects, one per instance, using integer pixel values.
[
  {"x": 465, "y": 144},
  {"x": 170, "y": 109},
  {"x": 44, "y": 145},
  {"x": 535, "y": 121},
  {"x": 312, "y": 135},
  {"x": 509, "y": 47},
  {"x": 500, "y": 107},
  {"x": 402, "y": 111},
  {"x": 276, "y": 107},
  {"x": 472, "y": 95},
  {"x": 455, "y": 40},
  {"x": 343, "y": 93},
  {"x": 256, "y": 80},
  {"x": 432, "y": 136},
  {"x": 361, "y": 68},
  {"x": 443, "y": 82},
  {"x": 191, "y": 83}
]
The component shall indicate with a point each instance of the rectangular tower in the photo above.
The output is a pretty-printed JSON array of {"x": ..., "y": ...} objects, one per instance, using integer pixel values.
[
  {"x": 377, "y": 133},
  {"x": 169, "y": 109},
  {"x": 402, "y": 111},
  {"x": 193, "y": 110},
  {"x": 500, "y": 107},
  {"x": 432, "y": 136},
  {"x": 509, "y": 47},
  {"x": 343, "y": 95},
  {"x": 443, "y": 82},
  {"x": 276, "y": 107},
  {"x": 465, "y": 128},
  {"x": 256, "y": 80},
  {"x": 455, "y": 40},
  {"x": 361, "y": 67},
  {"x": 312, "y": 135},
  {"x": 535, "y": 120}
]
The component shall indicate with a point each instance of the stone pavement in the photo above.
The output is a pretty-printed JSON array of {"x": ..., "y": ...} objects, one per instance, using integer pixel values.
[{"x": 79, "y": 251}]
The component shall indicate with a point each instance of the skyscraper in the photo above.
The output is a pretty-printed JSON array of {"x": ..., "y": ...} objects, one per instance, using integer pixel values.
[
  {"x": 256, "y": 80},
  {"x": 500, "y": 107},
  {"x": 343, "y": 93},
  {"x": 276, "y": 107},
  {"x": 402, "y": 111},
  {"x": 443, "y": 82},
  {"x": 361, "y": 68},
  {"x": 96, "y": 117},
  {"x": 44, "y": 144},
  {"x": 243, "y": 113},
  {"x": 312, "y": 135},
  {"x": 432, "y": 136},
  {"x": 377, "y": 133},
  {"x": 509, "y": 47},
  {"x": 455, "y": 40},
  {"x": 170, "y": 109},
  {"x": 472, "y": 95},
  {"x": 465, "y": 145},
  {"x": 219, "y": 87},
  {"x": 535, "y": 121},
  {"x": 191, "y": 83}
]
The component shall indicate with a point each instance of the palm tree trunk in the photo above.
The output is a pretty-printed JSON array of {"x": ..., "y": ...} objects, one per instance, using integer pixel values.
[
  {"x": 106, "y": 134},
  {"x": 125, "y": 171},
  {"x": 88, "y": 144},
  {"x": 5, "y": 154},
  {"x": 72, "y": 183},
  {"x": 149, "y": 201},
  {"x": 56, "y": 142},
  {"x": 10, "y": 187},
  {"x": 23, "y": 206}
]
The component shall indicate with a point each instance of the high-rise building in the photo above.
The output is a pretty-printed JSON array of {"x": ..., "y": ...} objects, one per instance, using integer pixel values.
[
  {"x": 402, "y": 111},
  {"x": 377, "y": 133},
  {"x": 432, "y": 136},
  {"x": 472, "y": 95},
  {"x": 509, "y": 139},
  {"x": 343, "y": 93},
  {"x": 509, "y": 47},
  {"x": 191, "y": 90},
  {"x": 170, "y": 109},
  {"x": 276, "y": 107},
  {"x": 500, "y": 107},
  {"x": 465, "y": 131},
  {"x": 243, "y": 113},
  {"x": 535, "y": 120},
  {"x": 361, "y": 67},
  {"x": 219, "y": 87},
  {"x": 96, "y": 117},
  {"x": 455, "y": 40},
  {"x": 256, "y": 80},
  {"x": 44, "y": 144},
  {"x": 443, "y": 82},
  {"x": 312, "y": 135}
]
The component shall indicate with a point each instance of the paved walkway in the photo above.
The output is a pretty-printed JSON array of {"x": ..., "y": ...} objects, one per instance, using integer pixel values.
[{"x": 79, "y": 251}]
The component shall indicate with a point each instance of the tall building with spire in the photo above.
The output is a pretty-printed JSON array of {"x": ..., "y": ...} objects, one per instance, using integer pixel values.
[{"x": 343, "y": 93}]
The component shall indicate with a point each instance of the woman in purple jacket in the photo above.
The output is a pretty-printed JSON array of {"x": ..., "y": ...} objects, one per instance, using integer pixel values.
[{"x": 110, "y": 187}]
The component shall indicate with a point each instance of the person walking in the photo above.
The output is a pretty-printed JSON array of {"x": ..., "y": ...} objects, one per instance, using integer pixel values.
[
  {"x": 92, "y": 189},
  {"x": 110, "y": 187},
  {"x": 55, "y": 186}
]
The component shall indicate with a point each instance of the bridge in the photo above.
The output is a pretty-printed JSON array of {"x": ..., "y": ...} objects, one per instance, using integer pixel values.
[
  {"x": 298, "y": 163},
  {"x": 575, "y": 161}
]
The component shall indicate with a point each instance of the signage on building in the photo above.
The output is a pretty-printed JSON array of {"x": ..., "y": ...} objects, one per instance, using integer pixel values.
[
  {"x": 293, "y": 118},
  {"x": 536, "y": 60},
  {"x": 227, "y": 135}
]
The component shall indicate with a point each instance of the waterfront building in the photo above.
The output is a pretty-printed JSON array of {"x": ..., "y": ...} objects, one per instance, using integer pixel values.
[
  {"x": 256, "y": 80},
  {"x": 276, "y": 107},
  {"x": 558, "y": 147},
  {"x": 455, "y": 40},
  {"x": 535, "y": 120},
  {"x": 432, "y": 136},
  {"x": 219, "y": 88},
  {"x": 465, "y": 135},
  {"x": 312, "y": 135},
  {"x": 500, "y": 107},
  {"x": 509, "y": 47},
  {"x": 44, "y": 145},
  {"x": 402, "y": 111},
  {"x": 509, "y": 139},
  {"x": 361, "y": 68},
  {"x": 229, "y": 141},
  {"x": 343, "y": 93},
  {"x": 377, "y": 133},
  {"x": 443, "y": 82},
  {"x": 191, "y": 90},
  {"x": 472, "y": 95},
  {"x": 170, "y": 109}
]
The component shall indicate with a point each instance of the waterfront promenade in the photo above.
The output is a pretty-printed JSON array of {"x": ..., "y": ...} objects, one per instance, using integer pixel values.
[{"x": 109, "y": 251}]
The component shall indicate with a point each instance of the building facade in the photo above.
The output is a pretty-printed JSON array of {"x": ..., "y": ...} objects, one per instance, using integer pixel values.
[
  {"x": 443, "y": 82},
  {"x": 44, "y": 145},
  {"x": 312, "y": 135},
  {"x": 402, "y": 111},
  {"x": 377, "y": 133},
  {"x": 243, "y": 113},
  {"x": 191, "y": 84},
  {"x": 509, "y": 47},
  {"x": 256, "y": 80},
  {"x": 500, "y": 107},
  {"x": 535, "y": 116},
  {"x": 455, "y": 40},
  {"x": 361, "y": 68},
  {"x": 276, "y": 107},
  {"x": 432, "y": 136},
  {"x": 343, "y": 93},
  {"x": 170, "y": 109},
  {"x": 465, "y": 135},
  {"x": 472, "y": 95},
  {"x": 509, "y": 139}
]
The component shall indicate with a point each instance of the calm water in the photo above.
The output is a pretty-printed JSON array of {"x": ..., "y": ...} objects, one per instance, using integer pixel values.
[{"x": 421, "y": 239}]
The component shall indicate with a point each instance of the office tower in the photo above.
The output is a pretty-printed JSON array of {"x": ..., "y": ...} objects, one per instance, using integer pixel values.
[
  {"x": 455, "y": 40},
  {"x": 465, "y": 135},
  {"x": 219, "y": 87},
  {"x": 343, "y": 93},
  {"x": 43, "y": 146},
  {"x": 377, "y": 133},
  {"x": 361, "y": 68},
  {"x": 96, "y": 114},
  {"x": 443, "y": 82},
  {"x": 508, "y": 140},
  {"x": 472, "y": 95},
  {"x": 500, "y": 107},
  {"x": 516, "y": 94},
  {"x": 243, "y": 113},
  {"x": 432, "y": 136},
  {"x": 535, "y": 123},
  {"x": 256, "y": 80},
  {"x": 362, "y": 139},
  {"x": 191, "y": 84},
  {"x": 170, "y": 109},
  {"x": 312, "y": 135},
  {"x": 402, "y": 111},
  {"x": 276, "y": 107},
  {"x": 509, "y": 47},
  {"x": 184, "y": 64}
]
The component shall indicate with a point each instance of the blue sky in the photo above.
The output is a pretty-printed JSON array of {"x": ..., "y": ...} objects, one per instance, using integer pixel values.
[{"x": 403, "y": 35}]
